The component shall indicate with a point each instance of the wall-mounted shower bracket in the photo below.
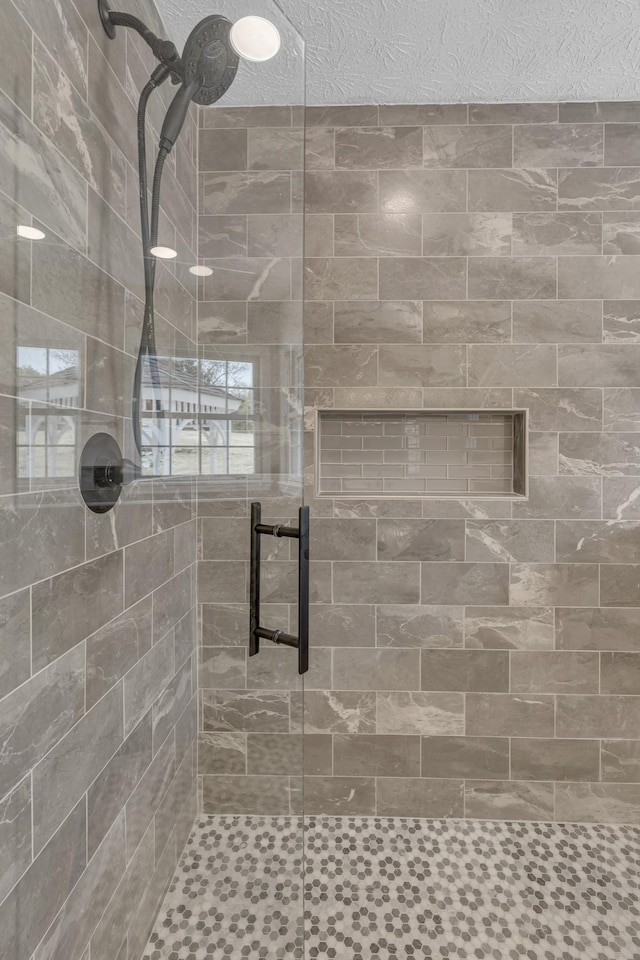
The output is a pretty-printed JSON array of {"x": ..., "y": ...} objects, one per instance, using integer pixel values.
[{"x": 105, "y": 15}]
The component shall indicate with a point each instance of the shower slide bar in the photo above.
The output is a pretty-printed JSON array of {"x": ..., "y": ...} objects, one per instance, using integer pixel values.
[{"x": 258, "y": 632}]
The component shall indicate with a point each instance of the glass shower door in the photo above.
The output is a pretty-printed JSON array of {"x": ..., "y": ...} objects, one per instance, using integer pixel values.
[{"x": 250, "y": 453}]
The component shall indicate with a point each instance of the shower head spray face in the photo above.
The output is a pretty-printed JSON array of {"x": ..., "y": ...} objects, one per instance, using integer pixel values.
[{"x": 209, "y": 60}]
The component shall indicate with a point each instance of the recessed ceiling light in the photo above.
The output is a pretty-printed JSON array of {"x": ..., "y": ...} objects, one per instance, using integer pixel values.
[
  {"x": 200, "y": 271},
  {"x": 163, "y": 253},
  {"x": 254, "y": 38},
  {"x": 30, "y": 233}
]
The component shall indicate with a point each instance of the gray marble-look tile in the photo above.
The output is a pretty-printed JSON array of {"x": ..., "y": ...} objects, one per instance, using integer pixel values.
[
  {"x": 598, "y": 277},
  {"x": 597, "y": 716},
  {"x": 430, "y": 714},
  {"x": 465, "y": 583},
  {"x": 543, "y": 454},
  {"x": 621, "y": 144},
  {"x": 354, "y": 278},
  {"x": 64, "y": 117},
  {"x": 549, "y": 584},
  {"x": 245, "y": 192},
  {"x": 222, "y": 753},
  {"x": 266, "y": 116},
  {"x": 600, "y": 454},
  {"x": 440, "y": 540},
  {"x": 248, "y": 278},
  {"x": 465, "y": 670},
  {"x": 366, "y": 669},
  {"x": 510, "y": 540},
  {"x": 379, "y": 755},
  {"x": 558, "y": 145},
  {"x": 222, "y": 236},
  {"x": 334, "y": 711},
  {"x": 556, "y": 760},
  {"x": 73, "y": 605},
  {"x": 608, "y": 188},
  {"x": 379, "y": 582},
  {"x": 621, "y": 233},
  {"x": 15, "y": 662},
  {"x": 247, "y": 795},
  {"x": 378, "y": 148},
  {"x": 340, "y": 191},
  {"x": 377, "y": 235},
  {"x": 342, "y": 625},
  {"x": 466, "y": 321},
  {"x": 108, "y": 936},
  {"x": 114, "y": 785},
  {"x": 512, "y": 190},
  {"x": 340, "y": 796},
  {"x": 508, "y": 800},
  {"x": 509, "y": 628},
  {"x": 625, "y": 111},
  {"x": 513, "y": 113},
  {"x": 275, "y": 235},
  {"x": 620, "y": 760},
  {"x": 141, "y": 578},
  {"x": 419, "y": 798},
  {"x": 512, "y": 278},
  {"x": 115, "y": 648},
  {"x": 557, "y": 234},
  {"x": 576, "y": 410},
  {"x": 377, "y": 321},
  {"x": 38, "y": 713},
  {"x": 43, "y": 889},
  {"x": 609, "y": 365},
  {"x": 37, "y": 176},
  {"x": 318, "y": 235},
  {"x": 572, "y": 497},
  {"x": 423, "y": 114},
  {"x": 620, "y": 673},
  {"x": 342, "y": 116},
  {"x": 598, "y": 802},
  {"x": 15, "y": 835},
  {"x": 466, "y": 235},
  {"x": 512, "y": 366},
  {"x": 620, "y": 585},
  {"x": 223, "y": 150},
  {"x": 621, "y": 412},
  {"x": 442, "y": 365},
  {"x": 621, "y": 498},
  {"x": 341, "y": 366},
  {"x": 146, "y": 680},
  {"x": 412, "y": 625},
  {"x": 501, "y": 714},
  {"x": 422, "y": 191},
  {"x": 597, "y": 629},
  {"x": 477, "y": 758},
  {"x": 62, "y": 777},
  {"x": 557, "y": 321},
  {"x": 468, "y": 146},
  {"x": 554, "y": 672},
  {"x": 597, "y": 541},
  {"x": 246, "y": 711},
  {"x": 173, "y": 701},
  {"x": 15, "y": 71},
  {"x": 319, "y": 148},
  {"x": 423, "y": 278}
]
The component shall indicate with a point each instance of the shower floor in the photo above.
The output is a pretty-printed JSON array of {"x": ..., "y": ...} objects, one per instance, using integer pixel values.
[{"x": 397, "y": 888}]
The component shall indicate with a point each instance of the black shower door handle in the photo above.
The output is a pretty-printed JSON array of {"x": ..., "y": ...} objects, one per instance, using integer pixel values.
[{"x": 256, "y": 631}]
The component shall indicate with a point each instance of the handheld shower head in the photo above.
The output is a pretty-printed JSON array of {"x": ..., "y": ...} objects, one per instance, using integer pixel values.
[{"x": 210, "y": 65}]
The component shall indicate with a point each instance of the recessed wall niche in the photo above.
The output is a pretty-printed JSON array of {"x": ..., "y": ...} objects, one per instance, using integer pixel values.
[{"x": 421, "y": 453}]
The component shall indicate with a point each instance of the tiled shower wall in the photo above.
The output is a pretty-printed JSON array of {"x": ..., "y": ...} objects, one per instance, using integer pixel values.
[
  {"x": 470, "y": 658},
  {"x": 97, "y": 626}
]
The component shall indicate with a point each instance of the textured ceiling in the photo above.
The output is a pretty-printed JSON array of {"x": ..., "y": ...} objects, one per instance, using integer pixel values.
[{"x": 408, "y": 51}]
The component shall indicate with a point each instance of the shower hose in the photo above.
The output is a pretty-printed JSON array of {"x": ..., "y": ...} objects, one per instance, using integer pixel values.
[{"x": 149, "y": 233}]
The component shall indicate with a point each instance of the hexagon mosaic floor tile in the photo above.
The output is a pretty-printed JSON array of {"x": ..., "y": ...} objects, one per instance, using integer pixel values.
[{"x": 398, "y": 889}]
